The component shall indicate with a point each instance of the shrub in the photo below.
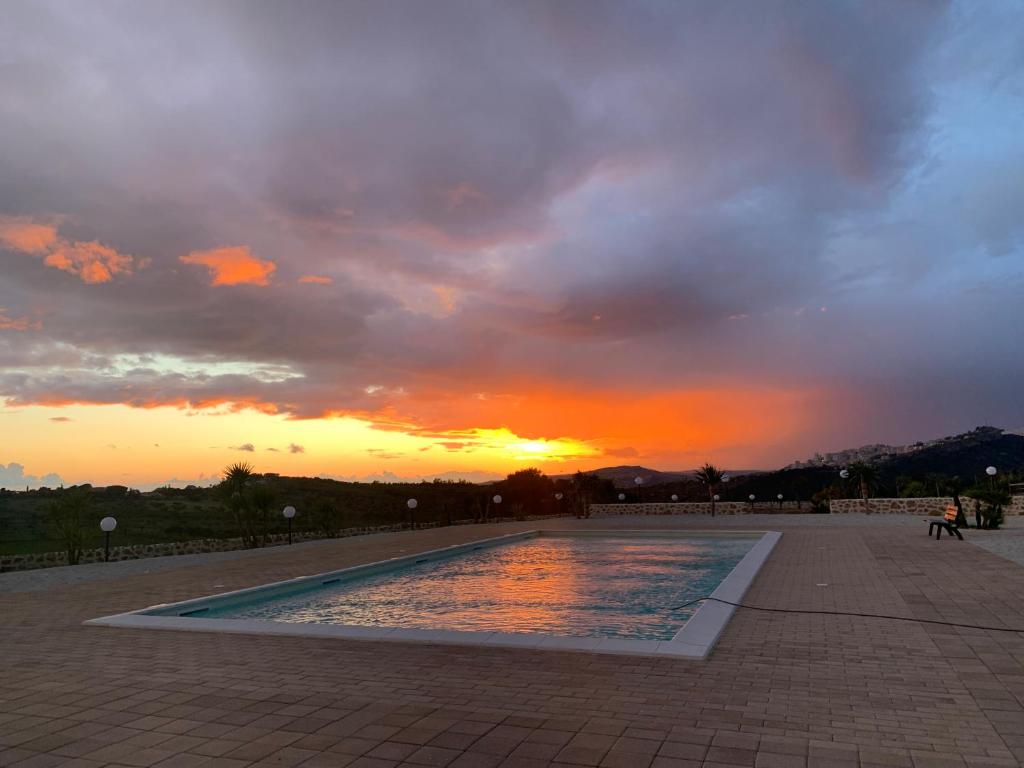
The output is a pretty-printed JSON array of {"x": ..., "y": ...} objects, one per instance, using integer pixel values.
[
  {"x": 67, "y": 515},
  {"x": 248, "y": 503},
  {"x": 993, "y": 501}
]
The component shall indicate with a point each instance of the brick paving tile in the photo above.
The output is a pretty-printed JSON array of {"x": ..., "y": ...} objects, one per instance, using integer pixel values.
[
  {"x": 776, "y": 760},
  {"x": 184, "y": 760},
  {"x": 326, "y": 760},
  {"x": 433, "y": 756},
  {"x": 519, "y": 762},
  {"x": 730, "y": 756},
  {"x": 476, "y": 760},
  {"x": 372, "y": 762},
  {"x": 779, "y": 689}
]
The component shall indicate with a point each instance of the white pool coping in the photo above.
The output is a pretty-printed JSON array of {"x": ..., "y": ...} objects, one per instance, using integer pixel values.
[{"x": 695, "y": 639}]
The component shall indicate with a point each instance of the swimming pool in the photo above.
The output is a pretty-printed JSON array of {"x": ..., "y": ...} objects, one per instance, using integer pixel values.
[{"x": 605, "y": 591}]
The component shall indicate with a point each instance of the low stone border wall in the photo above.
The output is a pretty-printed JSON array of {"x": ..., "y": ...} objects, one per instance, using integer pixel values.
[
  {"x": 930, "y": 505},
  {"x": 700, "y": 508},
  {"x": 199, "y": 546}
]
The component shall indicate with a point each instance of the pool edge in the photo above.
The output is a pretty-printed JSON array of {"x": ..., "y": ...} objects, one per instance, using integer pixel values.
[{"x": 695, "y": 640}]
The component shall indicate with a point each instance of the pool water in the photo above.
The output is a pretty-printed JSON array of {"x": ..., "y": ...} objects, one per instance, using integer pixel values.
[{"x": 608, "y": 586}]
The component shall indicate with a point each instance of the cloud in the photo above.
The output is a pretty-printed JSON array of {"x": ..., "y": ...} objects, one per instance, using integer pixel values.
[
  {"x": 293, "y": 448},
  {"x": 22, "y": 234},
  {"x": 232, "y": 265},
  {"x": 249, "y": 447},
  {"x": 316, "y": 279},
  {"x": 13, "y": 477},
  {"x": 8, "y": 323},
  {"x": 92, "y": 261},
  {"x": 61, "y": 419},
  {"x": 470, "y": 476},
  {"x": 570, "y": 221},
  {"x": 625, "y": 452},
  {"x": 382, "y": 454}
]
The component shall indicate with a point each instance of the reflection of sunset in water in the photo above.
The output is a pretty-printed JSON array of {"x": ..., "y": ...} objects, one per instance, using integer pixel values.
[{"x": 607, "y": 586}]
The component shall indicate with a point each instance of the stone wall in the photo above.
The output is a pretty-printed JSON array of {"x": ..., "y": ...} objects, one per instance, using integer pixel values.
[
  {"x": 699, "y": 508},
  {"x": 931, "y": 505},
  {"x": 198, "y": 546}
]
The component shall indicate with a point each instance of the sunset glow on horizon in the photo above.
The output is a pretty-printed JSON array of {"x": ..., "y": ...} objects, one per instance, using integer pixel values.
[{"x": 456, "y": 240}]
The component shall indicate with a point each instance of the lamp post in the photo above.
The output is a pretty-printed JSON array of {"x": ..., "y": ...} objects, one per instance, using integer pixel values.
[
  {"x": 497, "y": 503},
  {"x": 751, "y": 497},
  {"x": 991, "y": 472},
  {"x": 638, "y": 481},
  {"x": 411, "y": 504},
  {"x": 779, "y": 497},
  {"x": 289, "y": 513},
  {"x": 107, "y": 524}
]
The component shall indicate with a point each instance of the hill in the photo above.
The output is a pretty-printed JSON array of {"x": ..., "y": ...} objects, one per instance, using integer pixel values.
[{"x": 624, "y": 476}]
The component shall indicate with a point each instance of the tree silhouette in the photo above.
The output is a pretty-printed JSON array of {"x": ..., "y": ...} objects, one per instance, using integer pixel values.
[
  {"x": 247, "y": 502},
  {"x": 711, "y": 476},
  {"x": 865, "y": 477}
]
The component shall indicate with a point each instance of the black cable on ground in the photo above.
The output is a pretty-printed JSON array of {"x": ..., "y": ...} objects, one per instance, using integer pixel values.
[{"x": 846, "y": 613}]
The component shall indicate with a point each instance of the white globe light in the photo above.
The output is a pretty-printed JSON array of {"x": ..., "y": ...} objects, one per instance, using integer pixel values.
[
  {"x": 107, "y": 524},
  {"x": 844, "y": 473},
  {"x": 990, "y": 471},
  {"x": 638, "y": 480},
  {"x": 288, "y": 512},
  {"x": 674, "y": 497},
  {"x": 716, "y": 497},
  {"x": 779, "y": 497},
  {"x": 622, "y": 497},
  {"x": 496, "y": 499},
  {"x": 558, "y": 496},
  {"x": 751, "y": 497},
  {"x": 411, "y": 503}
]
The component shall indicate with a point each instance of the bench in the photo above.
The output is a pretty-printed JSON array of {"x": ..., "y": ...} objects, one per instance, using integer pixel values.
[{"x": 948, "y": 524}]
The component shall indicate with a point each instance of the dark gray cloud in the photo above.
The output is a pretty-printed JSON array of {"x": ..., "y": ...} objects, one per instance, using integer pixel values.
[{"x": 645, "y": 198}]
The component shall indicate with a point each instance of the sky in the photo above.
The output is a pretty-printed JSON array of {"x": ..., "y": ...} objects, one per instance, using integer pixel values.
[{"x": 403, "y": 240}]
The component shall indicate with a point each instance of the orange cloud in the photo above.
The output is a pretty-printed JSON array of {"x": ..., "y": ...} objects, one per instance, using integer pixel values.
[
  {"x": 8, "y": 323},
  {"x": 233, "y": 265},
  {"x": 702, "y": 424},
  {"x": 316, "y": 279},
  {"x": 91, "y": 260},
  {"x": 22, "y": 234}
]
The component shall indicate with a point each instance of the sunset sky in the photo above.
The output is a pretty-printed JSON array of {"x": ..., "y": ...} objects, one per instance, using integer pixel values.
[{"x": 411, "y": 239}]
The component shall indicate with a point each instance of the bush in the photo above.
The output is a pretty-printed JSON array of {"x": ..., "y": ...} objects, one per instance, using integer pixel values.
[
  {"x": 67, "y": 515},
  {"x": 993, "y": 501}
]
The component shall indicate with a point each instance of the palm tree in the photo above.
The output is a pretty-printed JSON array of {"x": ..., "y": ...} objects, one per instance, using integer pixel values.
[
  {"x": 247, "y": 503},
  {"x": 711, "y": 476},
  {"x": 237, "y": 477},
  {"x": 864, "y": 474}
]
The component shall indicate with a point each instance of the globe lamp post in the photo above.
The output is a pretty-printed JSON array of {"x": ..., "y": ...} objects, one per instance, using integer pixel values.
[
  {"x": 289, "y": 513},
  {"x": 107, "y": 524}
]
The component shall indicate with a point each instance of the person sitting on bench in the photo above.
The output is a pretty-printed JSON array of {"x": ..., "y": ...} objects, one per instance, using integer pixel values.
[{"x": 948, "y": 523}]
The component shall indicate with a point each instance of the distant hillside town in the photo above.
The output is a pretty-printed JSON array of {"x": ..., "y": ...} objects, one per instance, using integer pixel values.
[{"x": 880, "y": 452}]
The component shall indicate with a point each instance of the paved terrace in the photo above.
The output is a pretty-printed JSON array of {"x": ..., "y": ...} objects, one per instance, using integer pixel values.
[{"x": 779, "y": 690}]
